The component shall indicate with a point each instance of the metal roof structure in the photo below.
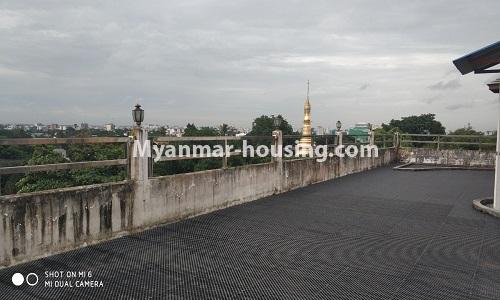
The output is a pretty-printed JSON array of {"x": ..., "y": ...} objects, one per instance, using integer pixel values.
[
  {"x": 480, "y": 60},
  {"x": 494, "y": 86}
]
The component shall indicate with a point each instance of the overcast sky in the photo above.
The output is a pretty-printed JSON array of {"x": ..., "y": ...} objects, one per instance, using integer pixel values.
[{"x": 210, "y": 62}]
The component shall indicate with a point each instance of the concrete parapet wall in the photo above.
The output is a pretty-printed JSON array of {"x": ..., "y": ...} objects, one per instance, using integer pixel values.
[
  {"x": 175, "y": 197},
  {"x": 44, "y": 223},
  {"x": 450, "y": 157},
  {"x": 303, "y": 172}
]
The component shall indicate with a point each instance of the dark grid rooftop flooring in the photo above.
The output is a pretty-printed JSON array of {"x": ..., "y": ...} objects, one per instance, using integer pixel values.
[{"x": 379, "y": 234}]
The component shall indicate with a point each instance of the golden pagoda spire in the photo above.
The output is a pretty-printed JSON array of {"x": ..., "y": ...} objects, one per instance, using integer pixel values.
[
  {"x": 307, "y": 98},
  {"x": 306, "y": 129}
]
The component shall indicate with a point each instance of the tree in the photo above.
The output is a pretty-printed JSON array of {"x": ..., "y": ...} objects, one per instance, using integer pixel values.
[
  {"x": 157, "y": 133},
  {"x": 264, "y": 126},
  {"x": 467, "y": 131},
  {"x": 48, "y": 180},
  {"x": 192, "y": 130},
  {"x": 225, "y": 129},
  {"x": 15, "y": 152},
  {"x": 58, "y": 179},
  {"x": 193, "y": 165},
  {"x": 14, "y": 133},
  {"x": 423, "y": 124}
]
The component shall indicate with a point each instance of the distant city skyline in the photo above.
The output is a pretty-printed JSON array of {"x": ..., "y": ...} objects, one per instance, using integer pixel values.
[
  {"x": 213, "y": 62},
  {"x": 318, "y": 129}
]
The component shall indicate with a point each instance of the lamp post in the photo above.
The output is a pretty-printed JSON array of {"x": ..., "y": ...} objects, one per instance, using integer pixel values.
[
  {"x": 371, "y": 136},
  {"x": 140, "y": 167},
  {"x": 494, "y": 86},
  {"x": 138, "y": 114},
  {"x": 339, "y": 132},
  {"x": 277, "y": 142}
]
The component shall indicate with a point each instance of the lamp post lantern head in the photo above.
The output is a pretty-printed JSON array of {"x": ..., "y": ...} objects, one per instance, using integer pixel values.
[
  {"x": 339, "y": 125},
  {"x": 277, "y": 122},
  {"x": 494, "y": 85},
  {"x": 138, "y": 114}
]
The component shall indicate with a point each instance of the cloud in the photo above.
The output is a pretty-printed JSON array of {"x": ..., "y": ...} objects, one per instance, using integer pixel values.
[
  {"x": 364, "y": 87},
  {"x": 209, "y": 62},
  {"x": 10, "y": 19},
  {"x": 481, "y": 103},
  {"x": 459, "y": 106},
  {"x": 430, "y": 100},
  {"x": 449, "y": 85}
]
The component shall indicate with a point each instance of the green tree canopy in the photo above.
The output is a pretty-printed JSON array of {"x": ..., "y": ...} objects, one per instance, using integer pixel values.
[
  {"x": 225, "y": 129},
  {"x": 58, "y": 179},
  {"x": 423, "y": 124},
  {"x": 473, "y": 139},
  {"x": 14, "y": 133},
  {"x": 466, "y": 131},
  {"x": 264, "y": 125},
  {"x": 192, "y": 130}
]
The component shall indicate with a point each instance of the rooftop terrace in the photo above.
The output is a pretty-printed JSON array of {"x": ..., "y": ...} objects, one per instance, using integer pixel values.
[{"x": 379, "y": 234}]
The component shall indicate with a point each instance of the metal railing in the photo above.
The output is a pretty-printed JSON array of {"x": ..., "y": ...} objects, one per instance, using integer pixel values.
[
  {"x": 59, "y": 141},
  {"x": 236, "y": 141},
  {"x": 62, "y": 166},
  {"x": 107, "y": 140},
  {"x": 208, "y": 140},
  {"x": 381, "y": 140},
  {"x": 330, "y": 140},
  {"x": 449, "y": 141}
]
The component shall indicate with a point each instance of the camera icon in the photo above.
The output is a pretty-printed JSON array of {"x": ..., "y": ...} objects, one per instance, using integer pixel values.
[{"x": 31, "y": 279}]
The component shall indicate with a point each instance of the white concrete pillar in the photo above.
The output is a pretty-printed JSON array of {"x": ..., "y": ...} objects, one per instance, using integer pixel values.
[
  {"x": 226, "y": 154},
  {"x": 139, "y": 166},
  {"x": 371, "y": 137},
  {"x": 339, "y": 137},
  {"x": 496, "y": 195},
  {"x": 139, "y": 174},
  {"x": 278, "y": 146},
  {"x": 277, "y": 157},
  {"x": 395, "y": 140}
]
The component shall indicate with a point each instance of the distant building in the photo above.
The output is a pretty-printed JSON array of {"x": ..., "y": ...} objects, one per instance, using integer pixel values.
[
  {"x": 360, "y": 132},
  {"x": 84, "y": 126},
  {"x": 109, "y": 127},
  {"x": 26, "y": 126},
  {"x": 320, "y": 130},
  {"x": 66, "y": 127},
  {"x": 40, "y": 127},
  {"x": 19, "y": 126},
  {"x": 174, "y": 131},
  {"x": 53, "y": 127},
  {"x": 153, "y": 126}
]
